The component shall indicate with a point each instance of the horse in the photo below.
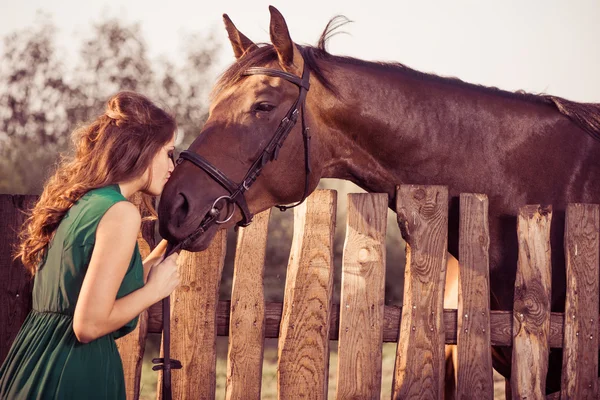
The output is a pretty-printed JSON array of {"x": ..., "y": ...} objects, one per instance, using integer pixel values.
[{"x": 379, "y": 125}]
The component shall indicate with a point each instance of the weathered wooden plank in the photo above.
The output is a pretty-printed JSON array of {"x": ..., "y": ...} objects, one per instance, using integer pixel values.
[
  {"x": 132, "y": 346},
  {"x": 303, "y": 344},
  {"x": 580, "y": 357},
  {"x": 475, "y": 375},
  {"x": 17, "y": 284},
  {"x": 194, "y": 323},
  {"x": 246, "y": 343},
  {"x": 500, "y": 324},
  {"x": 531, "y": 308},
  {"x": 423, "y": 220},
  {"x": 362, "y": 298}
]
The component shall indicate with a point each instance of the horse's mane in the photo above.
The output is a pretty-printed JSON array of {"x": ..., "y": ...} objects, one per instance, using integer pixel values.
[{"x": 586, "y": 115}]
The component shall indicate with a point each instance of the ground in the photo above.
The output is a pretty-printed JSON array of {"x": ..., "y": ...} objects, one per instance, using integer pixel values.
[{"x": 269, "y": 383}]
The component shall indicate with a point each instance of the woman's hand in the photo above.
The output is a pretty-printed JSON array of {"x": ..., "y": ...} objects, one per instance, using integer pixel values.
[
  {"x": 164, "y": 276},
  {"x": 154, "y": 257}
]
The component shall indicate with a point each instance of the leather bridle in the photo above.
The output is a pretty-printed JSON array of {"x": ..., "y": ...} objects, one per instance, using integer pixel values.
[{"x": 236, "y": 195}]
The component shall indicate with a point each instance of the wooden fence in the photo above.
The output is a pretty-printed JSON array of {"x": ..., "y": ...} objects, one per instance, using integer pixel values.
[{"x": 307, "y": 320}]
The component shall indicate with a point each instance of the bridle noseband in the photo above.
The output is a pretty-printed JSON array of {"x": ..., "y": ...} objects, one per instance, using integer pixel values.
[{"x": 236, "y": 195}]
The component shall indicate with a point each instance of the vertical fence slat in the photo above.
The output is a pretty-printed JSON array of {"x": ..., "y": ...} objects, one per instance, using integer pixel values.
[
  {"x": 246, "y": 326},
  {"x": 304, "y": 335},
  {"x": 194, "y": 323},
  {"x": 132, "y": 346},
  {"x": 531, "y": 308},
  {"x": 362, "y": 298},
  {"x": 423, "y": 219},
  {"x": 580, "y": 357},
  {"x": 15, "y": 296},
  {"x": 475, "y": 376}
]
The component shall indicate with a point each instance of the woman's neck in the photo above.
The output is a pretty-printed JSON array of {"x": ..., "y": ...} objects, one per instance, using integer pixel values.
[{"x": 129, "y": 188}]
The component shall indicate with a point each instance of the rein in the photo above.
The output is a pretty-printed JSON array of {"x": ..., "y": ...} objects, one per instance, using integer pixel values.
[{"x": 236, "y": 197}]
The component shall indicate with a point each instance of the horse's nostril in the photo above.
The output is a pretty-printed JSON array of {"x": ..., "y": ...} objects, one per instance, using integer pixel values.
[{"x": 182, "y": 209}]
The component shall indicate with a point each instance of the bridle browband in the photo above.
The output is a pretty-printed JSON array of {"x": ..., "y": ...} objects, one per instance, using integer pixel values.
[{"x": 236, "y": 195}]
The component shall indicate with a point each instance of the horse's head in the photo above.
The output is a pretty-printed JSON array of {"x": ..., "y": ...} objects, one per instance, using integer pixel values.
[{"x": 246, "y": 135}]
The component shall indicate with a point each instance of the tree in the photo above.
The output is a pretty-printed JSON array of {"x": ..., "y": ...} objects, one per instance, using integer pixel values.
[
  {"x": 39, "y": 107},
  {"x": 185, "y": 89},
  {"x": 33, "y": 118},
  {"x": 113, "y": 59}
]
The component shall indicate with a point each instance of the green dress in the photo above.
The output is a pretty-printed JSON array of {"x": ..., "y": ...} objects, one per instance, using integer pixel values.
[{"x": 46, "y": 361}]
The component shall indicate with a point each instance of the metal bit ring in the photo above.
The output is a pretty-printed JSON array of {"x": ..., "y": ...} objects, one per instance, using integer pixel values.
[{"x": 229, "y": 202}]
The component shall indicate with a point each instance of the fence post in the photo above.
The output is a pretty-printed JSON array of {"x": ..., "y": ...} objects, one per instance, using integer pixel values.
[
  {"x": 246, "y": 326},
  {"x": 15, "y": 298},
  {"x": 194, "y": 322},
  {"x": 475, "y": 376},
  {"x": 304, "y": 335},
  {"x": 580, "y": 356},
  {"x": 531, "y": 307},
  {"x": 423, "y": 219},
  {"x": 362, "y": 298}
]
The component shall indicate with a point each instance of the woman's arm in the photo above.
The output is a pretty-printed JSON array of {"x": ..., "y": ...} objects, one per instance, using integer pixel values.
[
  {"x": 154, "y": 257},
  {"x": 97, "y": 312}
]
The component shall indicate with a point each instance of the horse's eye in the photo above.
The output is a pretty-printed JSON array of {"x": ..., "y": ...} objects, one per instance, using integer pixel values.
[{"x": 263, "y": 106}]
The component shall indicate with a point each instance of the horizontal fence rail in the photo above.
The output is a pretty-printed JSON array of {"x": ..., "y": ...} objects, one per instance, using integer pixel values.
[{"x": 501, "y": 323}]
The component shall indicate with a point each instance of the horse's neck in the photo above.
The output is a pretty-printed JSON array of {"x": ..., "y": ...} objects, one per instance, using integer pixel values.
[{"x": 379, "y": 132}]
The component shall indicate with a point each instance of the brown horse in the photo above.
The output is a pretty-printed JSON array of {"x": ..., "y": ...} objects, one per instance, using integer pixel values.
[{"x": 379, "y": 125}]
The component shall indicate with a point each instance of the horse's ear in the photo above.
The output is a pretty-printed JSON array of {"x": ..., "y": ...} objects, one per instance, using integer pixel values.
[
  {"x": 289, "y": 56},
  {"x": 240, "y": 43}
]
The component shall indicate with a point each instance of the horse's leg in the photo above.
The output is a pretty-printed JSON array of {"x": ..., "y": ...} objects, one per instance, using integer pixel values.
[{"x": 451, "y": 301}]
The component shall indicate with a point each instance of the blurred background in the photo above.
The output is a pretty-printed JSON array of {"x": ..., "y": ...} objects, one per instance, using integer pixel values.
[{"x": 61, "y": 60}]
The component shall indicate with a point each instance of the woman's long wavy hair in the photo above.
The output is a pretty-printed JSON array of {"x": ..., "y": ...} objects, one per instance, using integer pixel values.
[{"x": 118, "y": 146}]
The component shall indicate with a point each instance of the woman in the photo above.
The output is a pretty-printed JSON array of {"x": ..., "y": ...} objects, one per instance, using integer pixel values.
[{"x": 80, "y": 243}]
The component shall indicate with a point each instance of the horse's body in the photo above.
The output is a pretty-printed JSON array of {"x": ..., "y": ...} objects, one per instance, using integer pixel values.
[{"x": 380, "y": 125}]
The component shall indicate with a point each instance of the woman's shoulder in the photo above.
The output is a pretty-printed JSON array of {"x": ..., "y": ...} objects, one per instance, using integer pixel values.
[
  {"x": 92, "y": 207},
  {"x": 123, "y": 213},
  {"x": 98, "y": 200}
]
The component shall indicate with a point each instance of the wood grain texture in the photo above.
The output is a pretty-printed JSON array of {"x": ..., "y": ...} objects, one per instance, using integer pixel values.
[
  {"x": 17, "y": 284},
  {"x": 475, "y": 375},
  {"x": 531, "y": 308},
  {"x": 303, "y": 343},
  {"x": 580, "y": 358},
  {"x": 501, "y": 323},
  {"x": 362, "y": 298},
  {"x": 423, "y": 219},
  {"x": 194, "y": 321},
  {"x": 247, "y": 328},
  {"x": 132, "y": 346}
]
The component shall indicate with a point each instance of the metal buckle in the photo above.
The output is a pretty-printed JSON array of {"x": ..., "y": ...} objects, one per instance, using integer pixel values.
[{"x": 229, "y": 202}]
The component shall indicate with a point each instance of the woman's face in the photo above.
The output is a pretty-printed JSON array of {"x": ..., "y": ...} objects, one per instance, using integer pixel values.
[{"x": 161, "y": 168}]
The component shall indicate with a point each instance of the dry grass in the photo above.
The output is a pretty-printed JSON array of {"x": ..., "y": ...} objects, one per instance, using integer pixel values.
[{"x": 269, "y": 381}]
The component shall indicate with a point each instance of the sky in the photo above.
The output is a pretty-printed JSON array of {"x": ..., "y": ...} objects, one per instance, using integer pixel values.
[{"x": 539, "y": 46}]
